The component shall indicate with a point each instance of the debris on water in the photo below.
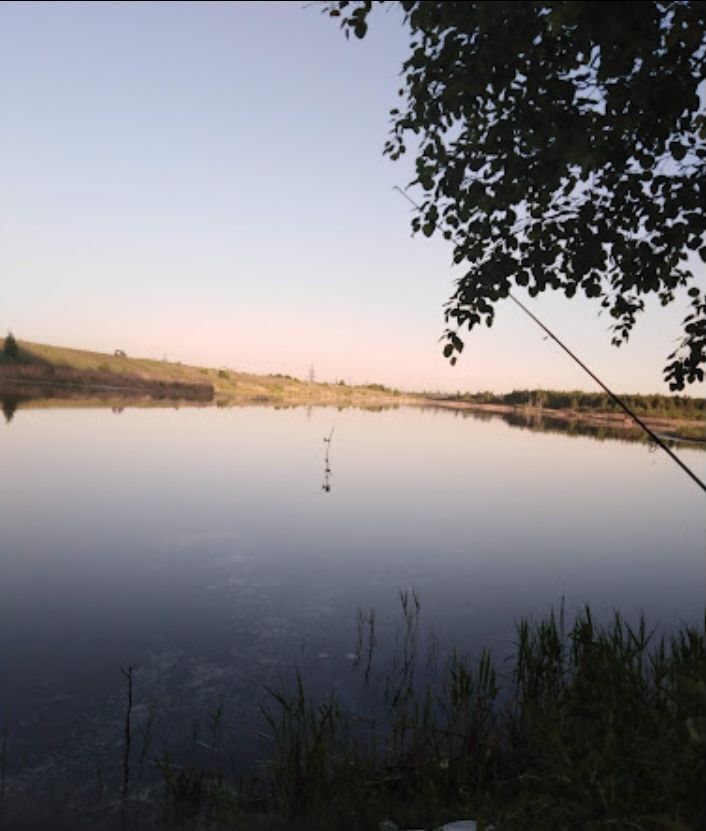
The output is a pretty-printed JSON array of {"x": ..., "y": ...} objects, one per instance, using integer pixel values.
[
  {"x": 388, "y": 825},
  {"x": 457, "y": 825}
]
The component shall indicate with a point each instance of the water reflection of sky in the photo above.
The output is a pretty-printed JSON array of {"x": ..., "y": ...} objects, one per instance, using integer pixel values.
[{"x": 199, "y": 544}]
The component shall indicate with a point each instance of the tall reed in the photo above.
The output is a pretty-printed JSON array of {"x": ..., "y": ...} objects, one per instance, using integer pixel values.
[{"x": 592, "y": 725}]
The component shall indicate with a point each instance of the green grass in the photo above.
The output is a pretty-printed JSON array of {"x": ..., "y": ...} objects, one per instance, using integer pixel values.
[
  {"x": 228, "y": 384},
  {"x": 590, "y": 727},
  {"x": 587, "y": 726}
]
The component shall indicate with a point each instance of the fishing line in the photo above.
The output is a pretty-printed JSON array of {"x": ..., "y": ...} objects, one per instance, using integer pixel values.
[{"x": 653, "y": 436}]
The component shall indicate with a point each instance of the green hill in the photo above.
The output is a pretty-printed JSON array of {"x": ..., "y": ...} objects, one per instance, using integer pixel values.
[{"x": 38, "y": 364}]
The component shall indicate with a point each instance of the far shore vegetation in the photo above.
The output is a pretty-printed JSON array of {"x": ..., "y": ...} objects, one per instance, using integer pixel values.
[
  {"x": 654, "y": 405},
  {"x": 32, "y": 372}
]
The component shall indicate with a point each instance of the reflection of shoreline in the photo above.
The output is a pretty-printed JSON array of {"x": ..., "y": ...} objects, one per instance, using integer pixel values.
[
  {"x": 30, "y": 389},
  {"x": 31, "y": 397},
  {"x": 20, "y": 396},
  {"x": 600, "y": 426}
]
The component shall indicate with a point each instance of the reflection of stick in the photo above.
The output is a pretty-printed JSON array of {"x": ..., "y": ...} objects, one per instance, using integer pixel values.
[{"x": 327, "y": 467}]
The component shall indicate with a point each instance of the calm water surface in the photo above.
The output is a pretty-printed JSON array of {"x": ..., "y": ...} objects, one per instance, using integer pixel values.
[{"x": 199, "y": 545}]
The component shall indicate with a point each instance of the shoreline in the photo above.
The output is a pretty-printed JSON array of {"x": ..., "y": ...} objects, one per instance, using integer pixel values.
[
  {"x": 63, "y": 375},
  {"x": 84, "y": 391}
]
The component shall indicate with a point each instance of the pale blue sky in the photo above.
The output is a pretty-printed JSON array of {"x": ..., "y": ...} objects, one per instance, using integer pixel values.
[{"x": 205, "y": 181}]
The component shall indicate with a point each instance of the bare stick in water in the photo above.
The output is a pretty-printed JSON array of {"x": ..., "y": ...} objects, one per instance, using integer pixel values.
[{"x": 128, "y": 713}]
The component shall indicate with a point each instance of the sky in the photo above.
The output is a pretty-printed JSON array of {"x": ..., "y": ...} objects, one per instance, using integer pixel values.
[{"x": 204, "y": 182}]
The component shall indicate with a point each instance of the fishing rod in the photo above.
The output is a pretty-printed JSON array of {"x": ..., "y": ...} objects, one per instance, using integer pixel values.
[{"x": 653, "y": 436}]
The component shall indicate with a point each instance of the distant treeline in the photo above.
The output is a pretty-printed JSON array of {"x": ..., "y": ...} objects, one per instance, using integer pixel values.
[{"x": 657, "y": 406}]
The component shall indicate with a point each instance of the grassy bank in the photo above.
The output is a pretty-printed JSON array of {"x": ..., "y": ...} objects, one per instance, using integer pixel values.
[
  {"x": 40, "y": 364},
  {"x": 584, "y": 726},
  {"x": 587, "y": 727},
  {"x": 37, "y": 371}
]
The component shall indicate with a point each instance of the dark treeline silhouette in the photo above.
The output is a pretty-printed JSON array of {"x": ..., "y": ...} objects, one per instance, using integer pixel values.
[{"x": 657, "y": 406}]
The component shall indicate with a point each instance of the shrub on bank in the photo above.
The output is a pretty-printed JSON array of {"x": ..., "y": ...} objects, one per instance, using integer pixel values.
[{"x": 11, "y": 349}]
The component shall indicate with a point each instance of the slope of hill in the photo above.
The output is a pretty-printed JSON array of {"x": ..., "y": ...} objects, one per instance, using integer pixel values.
[{"x": 40, "y": 365}]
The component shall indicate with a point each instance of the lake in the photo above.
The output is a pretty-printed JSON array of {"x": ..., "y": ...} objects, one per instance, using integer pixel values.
[{"x": 210, "y": 548}]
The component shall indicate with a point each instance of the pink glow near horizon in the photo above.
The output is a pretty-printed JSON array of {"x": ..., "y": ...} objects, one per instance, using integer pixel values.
[{"x": 205, "y": 182}]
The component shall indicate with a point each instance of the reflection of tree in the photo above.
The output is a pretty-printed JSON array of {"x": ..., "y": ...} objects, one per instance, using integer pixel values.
[
  {"x": 577, "y": 428},
  {"x": 573, "y": 427},
  {"x": 570, "y": 427},
  {"x": 9, "y": 405}
]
